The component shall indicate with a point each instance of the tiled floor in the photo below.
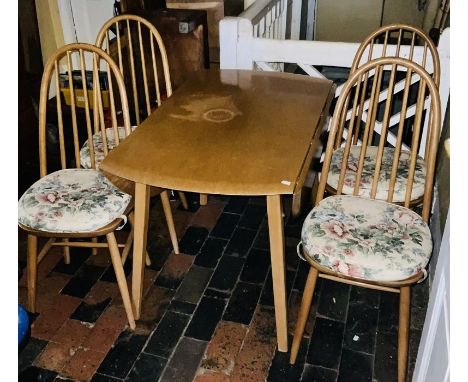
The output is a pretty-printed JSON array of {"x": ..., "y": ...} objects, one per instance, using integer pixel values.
[{"x": 208, "y": 312}]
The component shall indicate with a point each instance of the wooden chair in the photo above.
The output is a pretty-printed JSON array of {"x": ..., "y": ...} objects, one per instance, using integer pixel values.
[
  {"x": 364, "y": 241},
  {"x": 403, "y": 40},
  {"x": 138, "y": 48},
  {"x": 69, "y": 203}
]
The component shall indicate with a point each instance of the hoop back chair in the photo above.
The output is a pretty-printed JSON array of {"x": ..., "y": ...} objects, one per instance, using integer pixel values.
[
  {"x": 364, "y": 241},
  {"x": 138, "y": 48},
  {"x": 69, "y": 202}
]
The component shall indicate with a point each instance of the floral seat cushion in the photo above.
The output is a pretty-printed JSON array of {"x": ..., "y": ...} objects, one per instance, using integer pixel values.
[
  {"x": 385, "y": 172},
  {"x": 85, "y": 156},
  {"x": 71, "y": 200},
  {"x": 366, "y": 239}
]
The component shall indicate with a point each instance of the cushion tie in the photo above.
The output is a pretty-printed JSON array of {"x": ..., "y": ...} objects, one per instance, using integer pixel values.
[
  {"x": 124, "y": 218},
  {"x": 298, "y": 250}
]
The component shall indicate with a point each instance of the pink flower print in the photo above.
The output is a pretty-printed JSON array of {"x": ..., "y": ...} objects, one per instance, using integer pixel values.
[
  {"x": 335, "y": 228},
  {"x": 352, "y": 166},
  {"x": 355, "y": 271},
  {"x": 403, "y": 217},
  {"x": 348, "y": 252},
  {"x": 340, "y": 267},
  {"x": 49, "y": 198},
  {"x": 327, "y": 250}
]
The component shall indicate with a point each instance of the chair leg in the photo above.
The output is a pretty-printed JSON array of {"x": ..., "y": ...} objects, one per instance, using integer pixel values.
[
  {"x": 120, "y": 276},
  {"x": 303, "y": 313},
  {"x": 94, "y": 251},
  {"x": 183, "y": 200},
  {"x": 170, "y": 221},
  {"x": 32, "y": 272},
  {"x": 403, "y": 332},
  {"x": 66, "y": 253},
  {"x": 203, "y": 199}
]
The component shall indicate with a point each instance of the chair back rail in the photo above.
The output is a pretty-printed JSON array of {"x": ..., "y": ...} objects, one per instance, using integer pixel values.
[{"x": 76, "y": 79}]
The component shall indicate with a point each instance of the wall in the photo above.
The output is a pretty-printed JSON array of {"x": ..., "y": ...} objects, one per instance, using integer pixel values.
[{"x": 50, "y": 27}]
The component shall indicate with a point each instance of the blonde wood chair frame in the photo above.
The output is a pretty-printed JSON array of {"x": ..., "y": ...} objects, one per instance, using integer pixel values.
[
  {"x": 95, "y": 124},
  {"x": 126, "y": 27},
  {"x": 401, "y": 287}
]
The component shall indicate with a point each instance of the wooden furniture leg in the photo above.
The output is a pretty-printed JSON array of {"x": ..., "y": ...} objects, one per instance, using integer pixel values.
[
  {"x": 403, "y": 332},
  {"x": 276, "y": 231},
  {"x": 66, "y": 253},
  {"x": 120, "y": 276},
  {"x": 203, "y": 199},
  {"x": 142, "y": 197},
  {"x": 183, "y": 199},
  {"x": 32, "y": 272},
  {"x": 303, "y": 313},
  {"x": 170, "y": 221},
  {"x": 94, "y": 251}
]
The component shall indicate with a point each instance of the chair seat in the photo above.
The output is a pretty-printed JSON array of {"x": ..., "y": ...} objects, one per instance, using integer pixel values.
[
  {"x": 85, "y": 156},
  {"x": 366, "y": 239},
  {"x": 71, "y": 200},
  {"x": 385, "y": 173}
]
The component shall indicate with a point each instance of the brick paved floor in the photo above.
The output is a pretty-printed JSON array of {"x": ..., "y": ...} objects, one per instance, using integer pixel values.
[{"x": 208, "y": 312}]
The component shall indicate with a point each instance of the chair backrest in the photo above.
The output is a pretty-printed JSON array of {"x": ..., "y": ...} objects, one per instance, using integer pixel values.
[
  {"x": 139, "y": 50},
  {"x": 88, "y": 84},
  {"x": 367, "y": 80},
  {"x": 405, "y": 38}
]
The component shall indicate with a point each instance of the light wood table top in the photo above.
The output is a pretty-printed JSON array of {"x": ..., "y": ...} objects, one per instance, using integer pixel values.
[{"x": 227, "y": 132}]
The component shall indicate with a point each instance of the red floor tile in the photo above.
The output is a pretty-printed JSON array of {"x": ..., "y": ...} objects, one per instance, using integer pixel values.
[
  {"x": 208, "y": 215},
  {"x": 83, "y": 364},
  {"x": 72, "y": 333},
  {"x": 54, "y": 357},
  {"x": 210, "y": 376}
]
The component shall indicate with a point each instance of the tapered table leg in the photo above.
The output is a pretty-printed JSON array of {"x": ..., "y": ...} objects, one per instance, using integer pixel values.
[
  {"x": 142, "y": 197},
  {"x": 276, "y": 231}
]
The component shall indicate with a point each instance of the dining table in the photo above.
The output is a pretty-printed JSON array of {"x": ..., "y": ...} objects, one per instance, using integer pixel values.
[{"x": 227, "y": 132}]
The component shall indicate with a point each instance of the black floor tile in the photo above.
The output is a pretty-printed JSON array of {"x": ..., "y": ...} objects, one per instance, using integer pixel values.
[
  {"x": 104, "y": 378},
  {"x": 217, "y": 294},
  {"x": 355, "y": 367},
  {"x": 109, "y": 274},
  {"x": 242, "y": 303},
  {"x": 361, "y": 328},
  {"x": 147, "y": 368},
  {"x": 262, "y": 241},
  {"x": 181, "y": 307},
  {"x": 385, "y": 361},
  {"x": 252, "y": 217},
  {"x": 301, "y": 275},
  {"x": 334, "y": 299},
  {"x": 267, "y": 293},
  {"x": 290, "y": 255},
  {"x": 77, "y": 257},
  {"x": 210, "y": 252},
  {"x": 158, "y": 254},
  {"x": 80, "y": 284},
  {"x": 225, "y": 226},
  {"x": 240, "y": 242},
  {"x": 30, "y": 351},
  {"x": 388, "y": 312},
  {"x": 256, "y": 266},
  {"x": 313, "y": 373},
  {"x": 167, "y": 334},
  {"x": 90, "y": 312},
  {"x": 226, "y": 273},
  {"x": 282, "y": 371},
  {"x": 366, "y": 296},
  {"x": 236, "y": 205},
  {"x": 184, "y": 363},
  {"x": 122, "y": 355},
  {"x": 193, "y": 239},
  {"x": 326, "y": 343},
  {"x": 193, "y": 284},
  {"x": 258, "y": 200},
  {"x": 205, "y": 318},
  {"x": 36, "y": 374},
  {"x": 414, "y": 339}
]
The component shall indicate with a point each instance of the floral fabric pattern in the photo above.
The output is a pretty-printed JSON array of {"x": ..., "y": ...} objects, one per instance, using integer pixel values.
[
  {"x": 385, "y": 173},
  {"x": 366, "y": 239},
  {"x": 71, "y": 200},
  {"x": 85, "y": 155}
]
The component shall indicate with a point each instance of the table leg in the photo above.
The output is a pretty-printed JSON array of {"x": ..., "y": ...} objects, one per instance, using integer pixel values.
[
  {"x": 276, "y": 231},
  {"x": 142, "y": 197}
]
